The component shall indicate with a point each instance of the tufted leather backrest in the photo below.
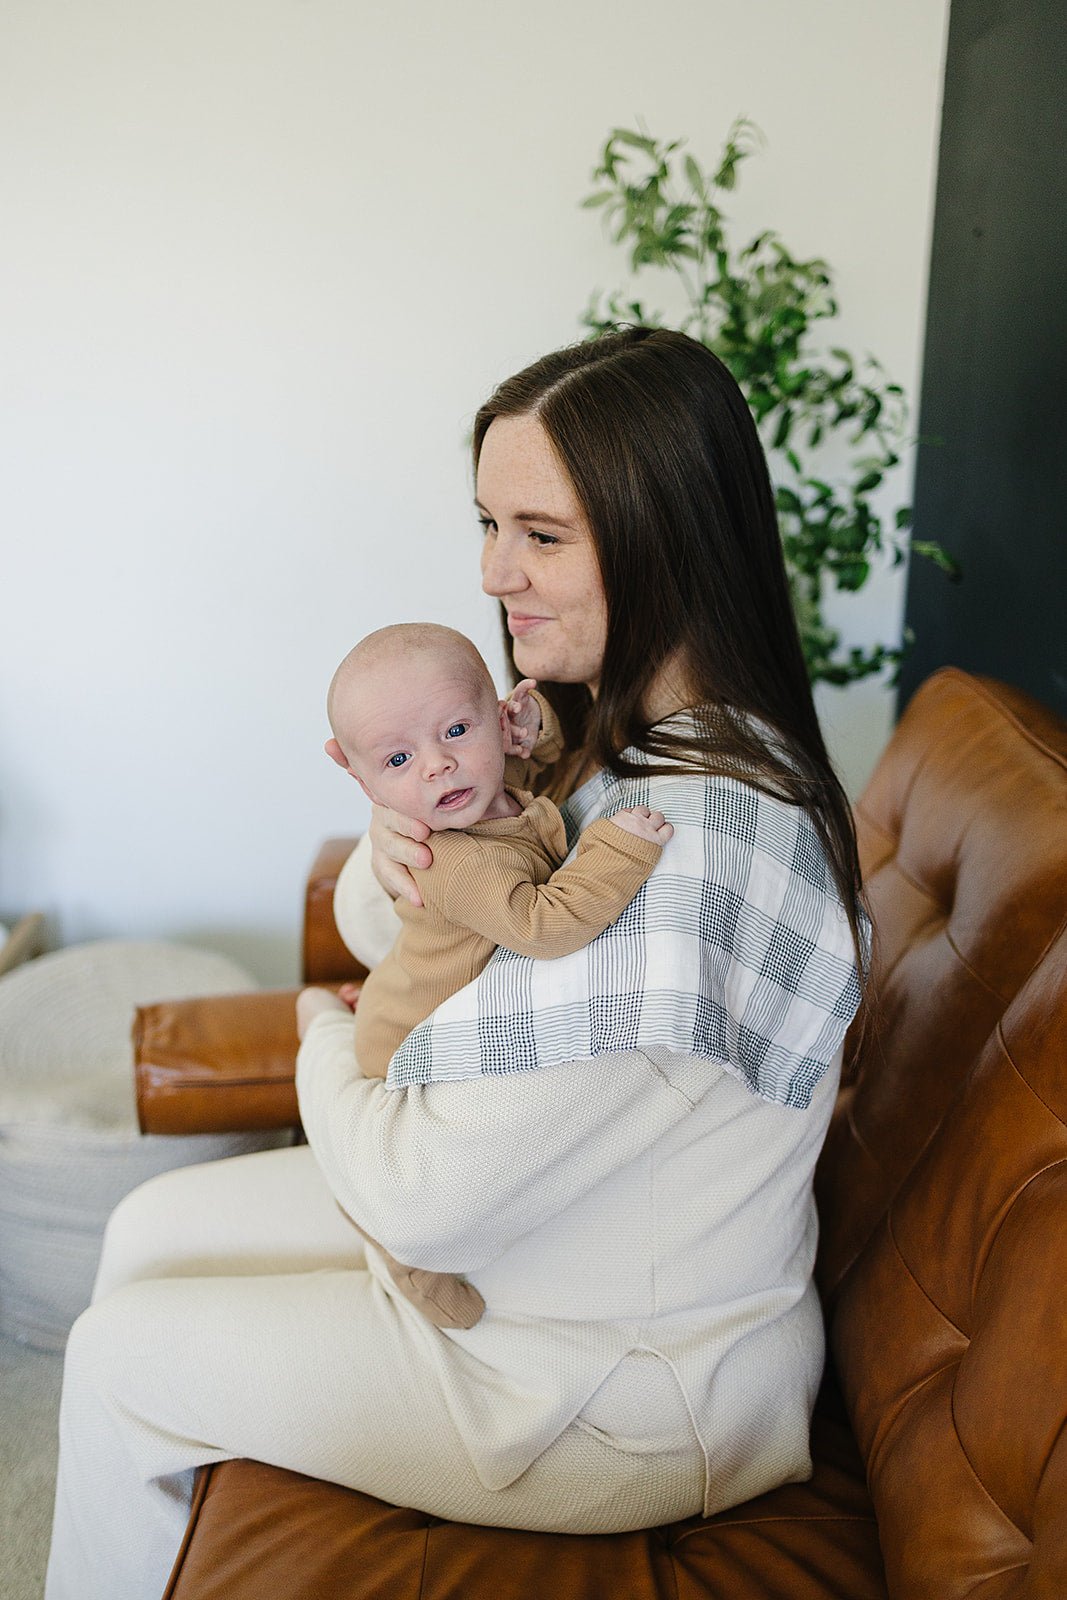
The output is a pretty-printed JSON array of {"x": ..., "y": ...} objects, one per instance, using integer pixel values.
[{"x": 943, "y": 1185}]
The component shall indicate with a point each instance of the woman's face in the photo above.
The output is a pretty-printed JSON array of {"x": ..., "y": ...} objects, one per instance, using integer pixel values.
[{"x": 539, "y": 557}]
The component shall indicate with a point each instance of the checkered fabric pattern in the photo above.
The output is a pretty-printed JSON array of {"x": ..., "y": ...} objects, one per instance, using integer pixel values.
[{"x": 737, "y": 950}]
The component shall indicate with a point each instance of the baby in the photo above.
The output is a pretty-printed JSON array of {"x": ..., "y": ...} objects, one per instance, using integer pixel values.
[{"x": 416, "y": 721}]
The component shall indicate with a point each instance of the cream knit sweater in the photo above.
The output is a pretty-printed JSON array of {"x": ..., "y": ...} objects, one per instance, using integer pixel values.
[{"x": 621, "y": 1203}]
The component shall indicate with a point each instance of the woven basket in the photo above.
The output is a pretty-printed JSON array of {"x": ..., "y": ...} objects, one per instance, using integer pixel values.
[{"x": 69, "y": 1142}]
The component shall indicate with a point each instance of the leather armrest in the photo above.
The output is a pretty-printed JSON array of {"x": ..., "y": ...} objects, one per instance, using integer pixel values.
[
  {"x": 325, "y": 958},
  {"x": 225, "y": 1064}
]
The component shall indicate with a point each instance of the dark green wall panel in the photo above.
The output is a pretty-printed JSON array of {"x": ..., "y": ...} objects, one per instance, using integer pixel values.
[{"x": 991, "y": 482}]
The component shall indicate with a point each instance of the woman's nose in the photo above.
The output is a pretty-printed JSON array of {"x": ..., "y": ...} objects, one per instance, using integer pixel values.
[{"x": 501, "y": 571}]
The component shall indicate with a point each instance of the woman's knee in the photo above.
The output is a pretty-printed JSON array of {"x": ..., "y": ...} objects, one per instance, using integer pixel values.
[
  {"x": 145, "y": 1232},
  {"x": 99, "y": 1345}
]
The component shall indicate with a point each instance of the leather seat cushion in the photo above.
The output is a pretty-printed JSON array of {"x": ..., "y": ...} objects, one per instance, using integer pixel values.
[{"x": 259, "y": 1530}]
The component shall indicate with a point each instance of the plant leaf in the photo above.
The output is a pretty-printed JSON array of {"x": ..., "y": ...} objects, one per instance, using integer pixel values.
[{"x": 636, "y": 141}]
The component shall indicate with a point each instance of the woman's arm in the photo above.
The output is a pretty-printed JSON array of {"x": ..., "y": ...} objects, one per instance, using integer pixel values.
[
  {"x": 449, "y": 1175},
  {"x": 362, "y": 909}
]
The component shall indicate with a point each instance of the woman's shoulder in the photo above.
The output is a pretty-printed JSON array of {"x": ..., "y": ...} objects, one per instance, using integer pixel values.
[{"x": 726, "y": 826}]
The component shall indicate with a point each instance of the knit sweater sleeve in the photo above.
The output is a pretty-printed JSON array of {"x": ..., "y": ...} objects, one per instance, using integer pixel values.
[
  {"x": 447, "y": 1176},
  {"x": 362, "y": 910},
  {"x": 554, "y": 918}
]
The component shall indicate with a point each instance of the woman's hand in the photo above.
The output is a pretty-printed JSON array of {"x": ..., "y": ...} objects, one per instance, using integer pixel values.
[
  {"x": 396, "y": 845},
  {"x": 311, "y": 1003}
]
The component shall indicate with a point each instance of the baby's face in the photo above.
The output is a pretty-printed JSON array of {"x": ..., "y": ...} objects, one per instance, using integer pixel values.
[{"x": 427, "y": 744}]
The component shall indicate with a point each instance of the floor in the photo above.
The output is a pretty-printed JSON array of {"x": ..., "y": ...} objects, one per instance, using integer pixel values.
[{"x": 29, "y": 1407}]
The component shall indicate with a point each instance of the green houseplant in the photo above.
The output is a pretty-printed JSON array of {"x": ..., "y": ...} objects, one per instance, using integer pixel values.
[{"x": 833, "y": 426}]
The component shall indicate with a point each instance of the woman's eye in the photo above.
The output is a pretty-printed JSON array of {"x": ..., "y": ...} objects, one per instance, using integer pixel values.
[
  {"x": 397, "y": 760},
  {"x": 487, "y": 524},
  {"x": 457, "y": 730},
  {"x": 543, "y": 539}
]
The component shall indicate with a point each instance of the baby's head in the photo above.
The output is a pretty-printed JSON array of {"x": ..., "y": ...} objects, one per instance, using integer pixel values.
[{"x": 416, "y": 721}]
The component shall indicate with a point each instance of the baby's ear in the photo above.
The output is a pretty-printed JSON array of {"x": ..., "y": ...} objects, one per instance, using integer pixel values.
[{"x": 335, "y": 753}]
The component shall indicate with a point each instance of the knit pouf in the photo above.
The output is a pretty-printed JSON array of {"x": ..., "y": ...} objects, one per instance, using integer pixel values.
[{"x": 69, "y": 1143}]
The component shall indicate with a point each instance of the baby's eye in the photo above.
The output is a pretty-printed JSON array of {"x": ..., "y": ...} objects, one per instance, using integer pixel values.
[
  {"x": 457, "y": 730},
  {"x": 397, "y": 760}
]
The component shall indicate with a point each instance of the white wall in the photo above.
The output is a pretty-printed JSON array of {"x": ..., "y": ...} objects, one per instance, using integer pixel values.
[{"x": 261, "y": 262}]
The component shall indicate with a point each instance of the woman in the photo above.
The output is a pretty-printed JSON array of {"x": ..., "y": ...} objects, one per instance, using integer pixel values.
[{"x": 615, "y": 1147}]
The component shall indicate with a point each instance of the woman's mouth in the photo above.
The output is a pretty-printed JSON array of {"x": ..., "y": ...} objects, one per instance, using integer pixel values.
[
  {"x": 518, "y": 624},
  {"x": 454, "y": 800}
]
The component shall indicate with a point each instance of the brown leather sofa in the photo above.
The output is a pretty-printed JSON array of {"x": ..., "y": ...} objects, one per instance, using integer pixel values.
[{"x": 940, "y": 1447}]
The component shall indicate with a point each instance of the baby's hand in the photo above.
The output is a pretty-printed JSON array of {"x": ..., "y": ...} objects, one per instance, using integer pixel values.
[
  {"x": 310, "y": 1003},
  {"x": 645, "y": 824},
  {"x": 522, "y": 719}
]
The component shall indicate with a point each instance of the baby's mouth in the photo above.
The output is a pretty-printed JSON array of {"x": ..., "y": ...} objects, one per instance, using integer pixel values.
[{"x": 454, "y": 799}]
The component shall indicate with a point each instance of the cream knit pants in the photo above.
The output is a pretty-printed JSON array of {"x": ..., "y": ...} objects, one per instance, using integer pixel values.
[{"x": 234, "y": 1316}]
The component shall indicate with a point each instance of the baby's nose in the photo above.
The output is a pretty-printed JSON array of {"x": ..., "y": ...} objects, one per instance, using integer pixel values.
[{"x": 438, "y": 762}]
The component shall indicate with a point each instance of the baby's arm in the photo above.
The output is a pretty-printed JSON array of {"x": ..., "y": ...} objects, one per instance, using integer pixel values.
[
  {"x": 644, "y": 824},
  {"x": 522, "y": 719},
  {"x": 532, "y": 735},
  {"x": 615, "y": 856}
]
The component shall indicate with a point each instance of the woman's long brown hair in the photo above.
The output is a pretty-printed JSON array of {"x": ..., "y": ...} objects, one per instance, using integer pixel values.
[{"x": 664, "y": 457}]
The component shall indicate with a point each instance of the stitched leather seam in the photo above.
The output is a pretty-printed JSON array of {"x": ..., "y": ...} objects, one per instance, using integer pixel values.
[
  {"x": 1009, "y": 1205},
  {"x": 918, "y": 768},
  {"x": 425, "y": 1562},
  {"x": 857, "y": 1135},
  {"x": 860, "y": 810},
  {"x": 889, "y": 1423},
  {"x": 885, "y": 976},
  {"x": 969, "y": 1464},
  {"x": 1051, "y": 1452},
  {"x": 1050, "y": 942},
  {"x": 1007, "y": 715},
  {"x": 983, "y": 1583},
  {"x": 928, "y": 1298},
  {"x": 673, "y": 1571},
  {"x": 753, "y": 1522},
  {"x": 919, "y": 887},
  {"x": 1005, "y": 999},
  {"x": 890, "y": 1419}
]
